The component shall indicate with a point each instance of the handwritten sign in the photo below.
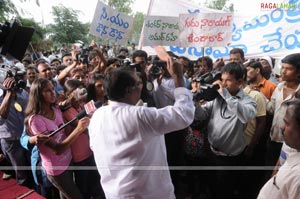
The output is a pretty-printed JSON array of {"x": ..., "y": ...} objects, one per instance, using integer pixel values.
[
  {"x": 111, "y": 24},
  {"x": 205, "y": 29},
  {"x": 275, "y": 33},
  {"x": 161, "y": 31}
]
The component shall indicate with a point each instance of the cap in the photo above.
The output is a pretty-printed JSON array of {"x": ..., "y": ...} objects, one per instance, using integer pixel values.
[{"x": 268, "y": 59}]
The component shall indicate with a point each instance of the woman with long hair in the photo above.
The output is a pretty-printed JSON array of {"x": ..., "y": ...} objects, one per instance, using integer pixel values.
[
  {"x": 87, "y": 180},
  {"x": 43, "y": 117},
  {"x": 95, "y": 88}
]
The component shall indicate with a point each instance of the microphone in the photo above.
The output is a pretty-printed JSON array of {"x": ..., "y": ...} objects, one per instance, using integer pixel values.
[{"x": 89, "y": 109}]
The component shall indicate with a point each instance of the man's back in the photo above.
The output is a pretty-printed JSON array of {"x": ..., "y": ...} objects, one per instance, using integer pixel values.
[{"x": 129, "y": 148}]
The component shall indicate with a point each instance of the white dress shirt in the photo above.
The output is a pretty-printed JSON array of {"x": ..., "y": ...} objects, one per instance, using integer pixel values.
[
  {"x": 286, "y": 184},
  {"x": 163, "y": 94},
  {"x": 129, "y": 147}
]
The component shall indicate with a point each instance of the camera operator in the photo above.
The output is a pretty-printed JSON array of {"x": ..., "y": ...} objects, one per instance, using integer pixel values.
[
  {"x": 139, "y": 59},
  {"x": 13, "y": 102},
  {"x": 228, "y": 115},
  {"x": 163, "y": 95},
  {"x": 163, "y": 85},
  {"x": 203, "y": 65}
]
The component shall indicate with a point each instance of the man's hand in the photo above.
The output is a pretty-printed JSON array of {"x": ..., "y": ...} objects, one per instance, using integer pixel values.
[
  {"x": 219, "y": 82},
  {"x": 75, "y": 54},
  {"x": 9, "y": 83},
  {"x": 176, "y": 71},
  {"x": 218, "y": 63}
]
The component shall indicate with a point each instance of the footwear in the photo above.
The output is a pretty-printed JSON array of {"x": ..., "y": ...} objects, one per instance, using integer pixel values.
[{"x": 6, "y": 176}]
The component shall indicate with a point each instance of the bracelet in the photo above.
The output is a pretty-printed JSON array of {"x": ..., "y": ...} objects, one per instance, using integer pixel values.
[{"x": 66, "y": 71}]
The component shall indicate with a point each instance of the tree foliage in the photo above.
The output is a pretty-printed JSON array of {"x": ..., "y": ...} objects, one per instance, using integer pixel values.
[
  {"x": 220, "y": 5},
  {"x": 39, "y": 31},
  {"x": 121, "y": 5},
  {"x": 137, "y": 26},
  {"x": 67, "y": 28},
  {"x": 7, "y": 8}
]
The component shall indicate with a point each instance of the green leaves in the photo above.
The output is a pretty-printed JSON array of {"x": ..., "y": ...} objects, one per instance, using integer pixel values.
[{"x": 67, "y": 28}]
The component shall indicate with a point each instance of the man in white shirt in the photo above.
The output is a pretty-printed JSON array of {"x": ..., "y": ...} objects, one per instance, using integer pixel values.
[
  {"x": 285, "y": 184},
  {"x": 128, "y": 141}
]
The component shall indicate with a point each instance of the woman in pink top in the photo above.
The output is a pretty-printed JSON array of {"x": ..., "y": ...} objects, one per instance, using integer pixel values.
[
  {"x": 42, "y": 117},
  {"x": 88, "y": 181}
]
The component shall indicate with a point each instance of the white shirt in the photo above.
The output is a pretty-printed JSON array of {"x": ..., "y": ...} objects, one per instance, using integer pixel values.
[
  {"x": 287, "y": 181},
  {"x": 129, "y": 147},
  {"x": 163, "y": 94},
  {"x": 277, "y": 106}
]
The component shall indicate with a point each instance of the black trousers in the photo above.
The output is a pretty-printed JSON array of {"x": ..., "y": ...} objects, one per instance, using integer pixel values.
[{"x": 225, "y": 179}]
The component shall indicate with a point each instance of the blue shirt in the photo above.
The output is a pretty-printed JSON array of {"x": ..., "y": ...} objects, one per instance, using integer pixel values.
[{"x": 12, "y": 126}]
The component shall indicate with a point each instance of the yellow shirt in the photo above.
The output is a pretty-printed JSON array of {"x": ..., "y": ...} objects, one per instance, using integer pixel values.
[{"x": 261, "y": 111}]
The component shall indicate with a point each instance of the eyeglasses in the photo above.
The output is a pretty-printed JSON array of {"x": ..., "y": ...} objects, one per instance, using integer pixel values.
[{"x": 274, "y": 182}]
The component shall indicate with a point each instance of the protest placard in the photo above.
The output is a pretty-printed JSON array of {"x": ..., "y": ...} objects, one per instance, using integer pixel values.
[
  {"x": 205, "y": 29},
  {"x": 111, "y": 24},
  {"x": 160, "y": 30},
  {"x": 274, "y": 32}
]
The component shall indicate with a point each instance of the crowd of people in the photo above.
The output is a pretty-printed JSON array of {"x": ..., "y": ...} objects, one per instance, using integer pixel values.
[{"x": 168, "y": 127}]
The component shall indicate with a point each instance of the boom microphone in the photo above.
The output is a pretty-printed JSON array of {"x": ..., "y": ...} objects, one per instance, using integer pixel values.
[{"x": 89, "y": 109}]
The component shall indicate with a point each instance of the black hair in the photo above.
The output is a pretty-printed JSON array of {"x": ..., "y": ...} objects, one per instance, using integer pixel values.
[
  {"x": 123, "y": 49},
  {"x": 139, "y": 53},
  {"x": 255, "y": 65},
  {"x": 111, "y": 61},
  {"x": 41, "y": 61},
  {"x": 117, "y": 81},
  {"x": 208, "y": 61},
  {"x": 238, "y": 50},
  {"x": 71, "y": 84},
  {"x": 293, "y": 59},
  {"x": 91, "y": 86},
  {"x": 64, "y": 55},
  {"x": 32, "y": 67},
  {"x": 190, "y": 63},
  {"x": 60, "y": 68},
  {"x": 296, "y": 110},
  {"x": 235, "y": 69}
]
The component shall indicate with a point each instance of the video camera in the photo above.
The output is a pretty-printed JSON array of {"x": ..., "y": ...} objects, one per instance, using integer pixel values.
[
  {"x": 157, "y": 68},
  {"x": 18, "y": 75},
  {"x": 83, "y": 55},
  {"x": 208, "y": 92}
]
